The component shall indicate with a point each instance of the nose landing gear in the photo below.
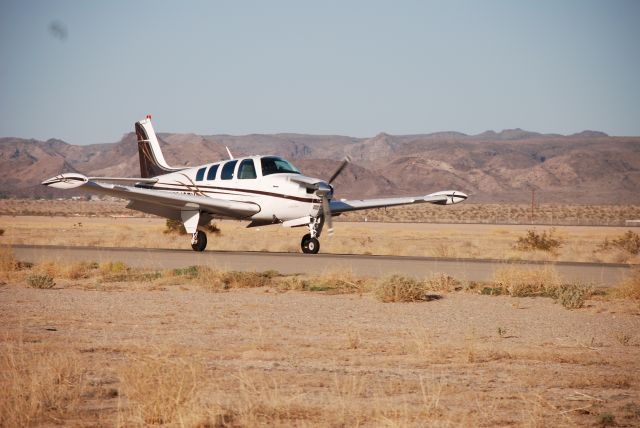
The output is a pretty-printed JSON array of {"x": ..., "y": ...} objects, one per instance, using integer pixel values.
[{"x": 310, "y": 245}]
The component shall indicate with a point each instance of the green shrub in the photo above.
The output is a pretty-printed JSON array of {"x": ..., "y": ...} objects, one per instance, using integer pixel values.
[
  {"x": 573, "y": 296},
  {"x": 606, "y": 419},
  {"x": 533, "y": 240},
  {"x": 40, "y": 280}
]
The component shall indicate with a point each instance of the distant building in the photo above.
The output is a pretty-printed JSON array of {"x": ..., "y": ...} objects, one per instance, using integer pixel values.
[{"x": 632, "y": 223}]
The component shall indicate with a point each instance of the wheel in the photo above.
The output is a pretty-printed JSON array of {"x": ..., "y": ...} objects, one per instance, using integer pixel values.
[
  {"x": 201, "y": 242},
  {"x": 310, "y": 245}
]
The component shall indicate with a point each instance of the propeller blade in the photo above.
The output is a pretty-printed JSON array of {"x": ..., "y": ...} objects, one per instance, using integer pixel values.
[
  {"x": 326, "y": 211},
  {"x": 342, "y": 166}
]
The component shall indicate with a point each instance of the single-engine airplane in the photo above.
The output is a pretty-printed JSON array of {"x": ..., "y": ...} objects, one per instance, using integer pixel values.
[{"x": 261, "y": 189}]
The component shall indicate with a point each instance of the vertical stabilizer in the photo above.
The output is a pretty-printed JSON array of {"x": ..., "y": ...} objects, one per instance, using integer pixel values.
[{"x": 152, "y": 161}]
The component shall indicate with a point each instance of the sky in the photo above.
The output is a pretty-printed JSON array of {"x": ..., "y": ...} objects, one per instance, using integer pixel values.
[{"x": 85, "y": 71}]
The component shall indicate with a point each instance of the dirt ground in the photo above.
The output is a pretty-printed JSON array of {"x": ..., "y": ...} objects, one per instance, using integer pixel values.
[{"x": 181, "y": 355}]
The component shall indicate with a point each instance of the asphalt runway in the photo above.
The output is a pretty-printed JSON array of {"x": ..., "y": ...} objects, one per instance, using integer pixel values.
[{"x": 598, "y": 274}]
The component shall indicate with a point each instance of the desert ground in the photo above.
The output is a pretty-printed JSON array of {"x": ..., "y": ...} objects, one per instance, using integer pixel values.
[
  {"x": 167, "y": 349},
  {"x": 90, "y": 344}
]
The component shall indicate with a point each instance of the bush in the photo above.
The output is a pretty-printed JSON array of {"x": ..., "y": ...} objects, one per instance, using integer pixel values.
[
  {"x": 1, "y": 232},
  {"x": 174, "y": 226},
  {"x": 533, "y": 240},
  {"x": 40, "y": 280},
  {"x": 629, "y": 242},
  {"x": 573, "y": 296},
  {"x": 400, "y": 288}
]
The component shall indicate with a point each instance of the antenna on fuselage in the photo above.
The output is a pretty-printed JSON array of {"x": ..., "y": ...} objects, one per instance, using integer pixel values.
[{"x": 229, "y": 151}]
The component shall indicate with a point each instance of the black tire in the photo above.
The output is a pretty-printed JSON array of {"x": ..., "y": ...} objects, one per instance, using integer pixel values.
[
  {"x": 201, "y": 242},
  {"x": 310, "y": 245}
]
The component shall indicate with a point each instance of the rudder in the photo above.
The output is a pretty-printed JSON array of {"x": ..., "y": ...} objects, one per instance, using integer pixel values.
[{"x": 152, "y": 161}]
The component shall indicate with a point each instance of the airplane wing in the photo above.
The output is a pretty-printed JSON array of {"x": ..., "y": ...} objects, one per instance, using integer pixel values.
[
  {"x": 145, "y": 197},
  {"x": 446, "y": 197}
]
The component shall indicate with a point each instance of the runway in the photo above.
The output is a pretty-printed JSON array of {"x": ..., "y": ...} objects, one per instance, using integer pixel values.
[{"x": 598, "y": 274}]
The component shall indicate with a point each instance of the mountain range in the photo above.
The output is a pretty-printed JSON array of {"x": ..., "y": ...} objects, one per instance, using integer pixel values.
[{"x": 589, "y": 167}]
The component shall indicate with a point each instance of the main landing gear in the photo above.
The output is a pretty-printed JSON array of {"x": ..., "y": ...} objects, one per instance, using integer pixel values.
[
  {"x": 199, "y": 241},
  {"x": 310, "y": 243}
]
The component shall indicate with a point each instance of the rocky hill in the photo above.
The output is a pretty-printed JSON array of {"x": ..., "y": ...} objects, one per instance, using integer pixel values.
[{"x": 588, "y": 167}]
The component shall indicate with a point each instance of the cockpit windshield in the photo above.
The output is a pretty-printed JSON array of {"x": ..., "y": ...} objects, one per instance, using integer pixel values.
[{"x": 276, "y": 165}]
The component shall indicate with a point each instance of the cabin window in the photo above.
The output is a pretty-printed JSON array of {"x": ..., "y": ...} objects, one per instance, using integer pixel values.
[
  {"x": 200, "y": 174},
  {"x": 211, "y": 175},
  {"x": 276, "y": 165},
  {"x": 227, "y": 170},
  {"x": 247, "y": 169}
]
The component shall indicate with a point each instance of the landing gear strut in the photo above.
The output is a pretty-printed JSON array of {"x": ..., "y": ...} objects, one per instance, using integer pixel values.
[
  {"x": 199, "y": 241},
  {"x": 310, "y": 243}
]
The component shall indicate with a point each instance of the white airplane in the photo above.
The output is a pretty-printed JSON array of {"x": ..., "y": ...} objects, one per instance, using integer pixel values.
[{"x": 261, "y": 189}]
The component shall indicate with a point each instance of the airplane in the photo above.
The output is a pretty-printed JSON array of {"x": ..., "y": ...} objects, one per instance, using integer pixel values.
[{"x": 263, "y": 190}]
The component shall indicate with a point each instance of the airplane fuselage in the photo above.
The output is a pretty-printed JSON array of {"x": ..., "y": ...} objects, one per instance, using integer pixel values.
[{"x": 243, "y": 179}]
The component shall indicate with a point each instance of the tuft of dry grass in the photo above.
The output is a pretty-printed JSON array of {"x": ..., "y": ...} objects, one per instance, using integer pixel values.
[
  {"x": 333, "y": 282},
  {"x": 542, "y": 282},
  {"x": 630, "y": 287},
  {"x": 527, "y": 282},
  {"x": 442, "y": 282},
  {"x": 158, "y": 391},
  {"x": 8, "y": 262},
  {"x": 399, "y": 288},
  {"x": 39, "y": 384}
]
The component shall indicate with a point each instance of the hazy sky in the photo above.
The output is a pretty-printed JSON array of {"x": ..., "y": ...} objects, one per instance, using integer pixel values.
[{"x": 85, "y": 71}]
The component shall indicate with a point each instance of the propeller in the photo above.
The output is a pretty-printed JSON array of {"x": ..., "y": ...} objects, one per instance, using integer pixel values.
[
  {"x": 324, "y": 190},
  {"x": 326, "y": 210}
]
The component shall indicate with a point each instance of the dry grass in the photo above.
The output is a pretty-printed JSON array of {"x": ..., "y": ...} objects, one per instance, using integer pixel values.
[
  {"x": 517, "y": 281},
  {"x": 525, "y": 282},
  {"x": 39, "y": 384},
  {"x": 159, "y": 390},
  {"x": 465, "y": 241},
  {"x": 179, "y": 355},
  {"x": 551, "y": 214},
  {"x": 8, "y": 262},
  {"x": 630, "y": 287},
  {"x": 400, "y": 288}
]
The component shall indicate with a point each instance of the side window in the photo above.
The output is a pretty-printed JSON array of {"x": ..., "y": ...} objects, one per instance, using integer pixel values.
[
  {"x": 247, "y": 169},
  {"x": 227, "y": 170},
  {"x": 200, "y": 174},
  {"x": 211, "y": 175}
]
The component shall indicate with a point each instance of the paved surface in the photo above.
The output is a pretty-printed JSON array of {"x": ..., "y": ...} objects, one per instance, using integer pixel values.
[{"x": 289, "y": 263}]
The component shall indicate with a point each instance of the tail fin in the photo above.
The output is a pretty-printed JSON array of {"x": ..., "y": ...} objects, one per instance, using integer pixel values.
[{"x": 152, "y": 161}]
